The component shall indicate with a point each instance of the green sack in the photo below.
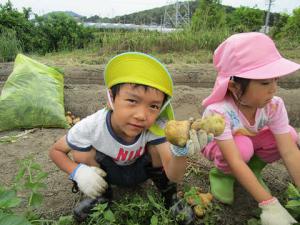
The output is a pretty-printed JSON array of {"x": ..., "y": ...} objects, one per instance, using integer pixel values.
[{"x": 32, "y": 96}]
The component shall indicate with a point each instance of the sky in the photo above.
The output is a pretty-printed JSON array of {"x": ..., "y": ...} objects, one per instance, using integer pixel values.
[{"x": 112, "y": 8}]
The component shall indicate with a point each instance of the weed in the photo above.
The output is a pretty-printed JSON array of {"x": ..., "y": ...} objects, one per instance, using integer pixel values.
[
  {"x": 132, "y": 210},
  {"x": 29, "y": 181}
]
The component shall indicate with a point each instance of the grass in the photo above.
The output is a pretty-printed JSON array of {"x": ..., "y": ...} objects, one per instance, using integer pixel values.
[
  {"x": 174, "y": 48},
  {"x": 90, "y": 57}
]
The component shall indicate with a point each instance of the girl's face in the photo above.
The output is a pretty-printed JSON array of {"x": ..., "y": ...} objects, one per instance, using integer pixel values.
[
  {"x": 135, "y": 110},
  {"x": 259, "y": 93}
]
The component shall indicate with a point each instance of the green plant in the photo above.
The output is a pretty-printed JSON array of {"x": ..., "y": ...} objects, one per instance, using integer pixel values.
[
  {"x": 29, "y": 181},
  {"x": 132, "y": 210},
  {"x": 9, "y": 45},
  {"x": 293, "y": 200},
  {"x": 253, "y": 221}
]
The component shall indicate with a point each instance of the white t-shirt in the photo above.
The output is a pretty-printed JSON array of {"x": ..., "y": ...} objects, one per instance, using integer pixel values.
[{"x": 95, "y": 131}]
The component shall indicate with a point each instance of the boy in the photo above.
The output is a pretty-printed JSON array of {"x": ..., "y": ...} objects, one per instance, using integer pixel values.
[{"x": 124, "y": 144}]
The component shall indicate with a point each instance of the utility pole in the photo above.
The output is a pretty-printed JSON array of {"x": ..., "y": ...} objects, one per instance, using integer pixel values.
[
  {"x": 176, "y": 14},
  {"x": 268, "y": 15}
]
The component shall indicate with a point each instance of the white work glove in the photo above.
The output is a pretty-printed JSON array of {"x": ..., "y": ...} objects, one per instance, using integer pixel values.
[
  {"x": 273, "y": 213},
  {"x": 198, "y": 140},
  {"x": 89, "y": 180}
]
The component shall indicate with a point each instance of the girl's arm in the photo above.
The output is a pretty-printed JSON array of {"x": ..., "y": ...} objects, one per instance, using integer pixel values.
[
  {"x": 290, "y": 155},
  {"x": 242, "y": 172},
  {"x": 174, "y": 166}
]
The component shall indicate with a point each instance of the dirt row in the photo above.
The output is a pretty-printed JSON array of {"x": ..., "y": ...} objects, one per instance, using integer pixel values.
[
  {"x": 200, "y": 75},
  {"x": 83, "y": 100}
]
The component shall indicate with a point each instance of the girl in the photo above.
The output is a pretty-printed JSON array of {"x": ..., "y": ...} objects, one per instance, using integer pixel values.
[{"x": 257, "y": 127}]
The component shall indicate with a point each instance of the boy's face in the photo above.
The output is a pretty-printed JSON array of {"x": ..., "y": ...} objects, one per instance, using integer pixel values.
[{"x": 135, "y": 110}]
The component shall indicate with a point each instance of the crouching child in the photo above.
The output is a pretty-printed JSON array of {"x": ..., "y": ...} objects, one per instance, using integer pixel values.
[{"x": 124, "y": 144}]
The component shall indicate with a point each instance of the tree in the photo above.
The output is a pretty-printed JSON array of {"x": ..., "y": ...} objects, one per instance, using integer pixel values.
[
  {"x": 292, "y": 28},
  {"x": 59, "y": 31},
  {"x": 245, "y": 19},
  {"x": 12, "y": 21},
  {"x": 279, "y": 23},
  {"x": 208, "y": 16}
]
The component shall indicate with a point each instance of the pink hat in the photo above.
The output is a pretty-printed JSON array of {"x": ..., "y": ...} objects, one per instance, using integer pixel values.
[{"x": 247, "y": 55}]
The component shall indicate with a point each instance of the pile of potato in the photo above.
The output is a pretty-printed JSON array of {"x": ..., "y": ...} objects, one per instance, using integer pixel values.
[
  {"x": 72, "y": 119},
  {"x": 198, "y": 200}
]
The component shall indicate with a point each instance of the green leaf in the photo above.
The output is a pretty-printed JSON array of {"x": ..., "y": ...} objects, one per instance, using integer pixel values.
[
  {"x": 20, "y": 174},
  {"x": 192, "y": 193},
  {"x": 9, "y": 199},
  {"x": 36, "y": 199},
  {"x": 36, "y": 166},
  {"x": 6, "y": 219},
  {"x": 65, "y": 220},
  {"x": 292, "y": 191},
  {"x": 41, "y": 176},
  {"x": 35, "y": 186},
  {"x": 154, "y": 220},
  {"x": 108, "y": 215},
  {"x": 153, "y": 202}
]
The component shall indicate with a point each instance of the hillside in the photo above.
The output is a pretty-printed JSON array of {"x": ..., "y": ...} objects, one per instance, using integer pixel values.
[{"x": 156, "y": 15}]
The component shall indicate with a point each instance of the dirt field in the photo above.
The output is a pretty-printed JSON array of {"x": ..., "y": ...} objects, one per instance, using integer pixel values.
[{"x": 85, "y": 94}]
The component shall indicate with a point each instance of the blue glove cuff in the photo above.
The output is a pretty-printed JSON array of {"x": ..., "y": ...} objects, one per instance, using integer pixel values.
[
  {"x": 179, "y": 151},
  {"x": 71, "y": 176}
]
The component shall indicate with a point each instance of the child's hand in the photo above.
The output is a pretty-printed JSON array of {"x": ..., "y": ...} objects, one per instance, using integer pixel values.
[
  {"x": 90, "y": 180},
  {"x": 273, "y": 213},
  {"x": 198, "y": 140}
]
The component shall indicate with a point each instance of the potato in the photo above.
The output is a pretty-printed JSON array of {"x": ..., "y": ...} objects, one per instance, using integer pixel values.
[
  {"x": 177, "y": 132},
  {"x": 69, "y": 120},
  {"x": 199, "y": 211},
  {"x": 191, "y": 201},
  {"x": 214, "y": 124},
  {"x": 206, "y": 198},
  {"x": 76, "y": 120}
]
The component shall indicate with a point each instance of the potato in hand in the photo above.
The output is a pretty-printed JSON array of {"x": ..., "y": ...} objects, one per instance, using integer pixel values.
[
  {"x": 177, "y": 132},
  {"x": 214, "y": 124}
]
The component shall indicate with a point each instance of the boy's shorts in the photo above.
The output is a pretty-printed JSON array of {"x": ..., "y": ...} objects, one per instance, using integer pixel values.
[{"x": 125, "y": 176}]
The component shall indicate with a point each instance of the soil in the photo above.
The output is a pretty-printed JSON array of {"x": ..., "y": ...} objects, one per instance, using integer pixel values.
[{"x": 85, "y": 94}]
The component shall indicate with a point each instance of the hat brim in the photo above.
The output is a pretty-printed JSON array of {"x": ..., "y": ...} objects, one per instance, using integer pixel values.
[
  {"x": 218, "y": 92},
  {"x": 278, "y": 68},
  {"x": 158, "y": 127}
]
